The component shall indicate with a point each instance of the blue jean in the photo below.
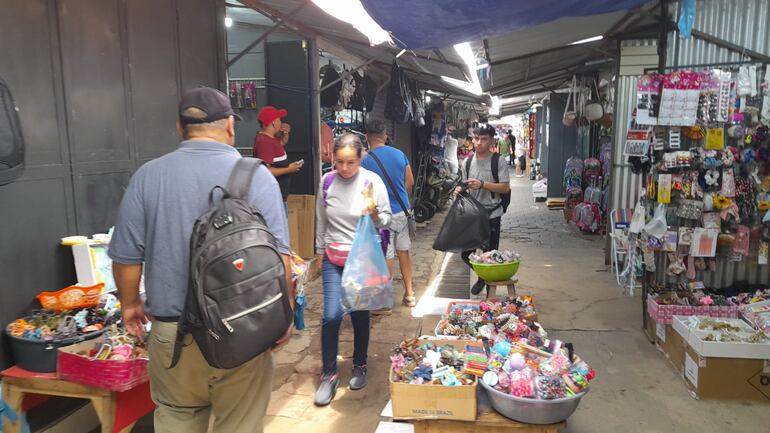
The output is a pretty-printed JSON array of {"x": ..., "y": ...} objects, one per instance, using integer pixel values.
[{"x": 332, "y": 319}]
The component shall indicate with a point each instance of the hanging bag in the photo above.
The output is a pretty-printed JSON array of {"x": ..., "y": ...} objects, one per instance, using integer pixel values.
[
  {"x": 594, "y": 109},
  {"x": 11, "y": 138},
  {"x": 366, "y": 282},
  {"x": 570, "y": 115}
]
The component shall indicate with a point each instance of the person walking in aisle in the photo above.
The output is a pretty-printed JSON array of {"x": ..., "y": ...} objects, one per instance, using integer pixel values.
[
  {"x": 504, "y": 147},
  {"x": 339, "y": 205},
  {"x": 477, "y": 172},
  {"x": 512, "y": 139},
  {"x": 163, "y": 200},
  {"x": 393, "y": 167},
  {"x": 521, "y": 156},
  {"x": 269, "y": 147}
]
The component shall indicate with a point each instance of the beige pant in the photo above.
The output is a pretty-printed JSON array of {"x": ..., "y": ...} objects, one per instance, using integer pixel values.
[{"x": 188, "y": 394}]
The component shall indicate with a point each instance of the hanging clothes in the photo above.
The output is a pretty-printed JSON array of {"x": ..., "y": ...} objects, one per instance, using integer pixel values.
[
  {"x": 330, "y": 96},
  {"x": 398, "y": 106},
  {"x": 358, "y": 100},
  {"x": 370, "y": 92}
]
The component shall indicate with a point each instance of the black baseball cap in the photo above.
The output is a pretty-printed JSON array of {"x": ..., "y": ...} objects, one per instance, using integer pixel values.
[
  {"x": 486, "y": 130},
  {"x": 214, "y": 103}
]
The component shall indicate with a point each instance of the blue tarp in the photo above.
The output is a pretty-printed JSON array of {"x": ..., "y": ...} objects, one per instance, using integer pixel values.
[{"x": 429, "y": 24}]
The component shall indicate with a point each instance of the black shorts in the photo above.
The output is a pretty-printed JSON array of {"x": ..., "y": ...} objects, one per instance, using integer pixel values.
[{"x": 523, "y": 162}]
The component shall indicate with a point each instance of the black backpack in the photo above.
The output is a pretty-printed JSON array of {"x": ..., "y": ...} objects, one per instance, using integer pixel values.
[
  {"x": 237, "y": 303},
  {"x": 11, "y": 138},
  {"x": 505, "y": 199}
]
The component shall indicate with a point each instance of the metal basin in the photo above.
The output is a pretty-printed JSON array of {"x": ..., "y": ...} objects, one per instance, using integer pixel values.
[{"x": 531, "y": 411}]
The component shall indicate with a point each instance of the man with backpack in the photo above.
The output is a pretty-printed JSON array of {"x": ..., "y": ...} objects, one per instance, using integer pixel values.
[
  {"x": 392, "y": 166},
  {"x": 486, "y": 174},
  {"x": 211, "y": 266}
]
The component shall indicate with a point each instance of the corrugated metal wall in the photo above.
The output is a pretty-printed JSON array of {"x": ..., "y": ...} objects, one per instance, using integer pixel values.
[
  {"x": 742, "y": 22},
  {"x": 626, "y": 185}
]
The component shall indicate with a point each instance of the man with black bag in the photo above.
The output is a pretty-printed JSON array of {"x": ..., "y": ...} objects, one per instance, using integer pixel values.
[
  {"x": 488, "y": 180},
  {"x": 209, "y": 348},
  {"x": 394, "y": 169}
]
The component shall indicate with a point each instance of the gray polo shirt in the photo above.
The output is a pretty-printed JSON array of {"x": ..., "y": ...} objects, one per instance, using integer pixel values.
[
  {"x": 482, "y": 170},
  {"x": 163, "y": 200}
]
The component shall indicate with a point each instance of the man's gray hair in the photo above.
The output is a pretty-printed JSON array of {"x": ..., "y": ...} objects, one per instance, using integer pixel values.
[
  {"x": 199, "y": 128},
  {"x": 376, "y": 127}
]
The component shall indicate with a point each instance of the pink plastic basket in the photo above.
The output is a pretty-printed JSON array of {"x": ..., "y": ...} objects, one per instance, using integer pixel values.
[{"x": 102, "y": 373}]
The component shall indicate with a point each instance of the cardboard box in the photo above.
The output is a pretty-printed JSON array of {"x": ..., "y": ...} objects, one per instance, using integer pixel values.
[
  {"x": 302, "y": 224},
  {"x": 434, "y": 401},
  {"x": 727, "y": 378},
  {"x": 722, "y": 370}
]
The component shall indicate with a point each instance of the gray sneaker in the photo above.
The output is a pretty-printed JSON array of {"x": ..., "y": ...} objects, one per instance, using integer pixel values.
[
  {"x": 358, "y": 381},
  {"x": 327, "y": 389}
]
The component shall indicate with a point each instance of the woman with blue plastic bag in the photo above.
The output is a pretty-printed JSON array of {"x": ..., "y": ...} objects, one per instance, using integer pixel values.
[{"x": 346, "y": 194}]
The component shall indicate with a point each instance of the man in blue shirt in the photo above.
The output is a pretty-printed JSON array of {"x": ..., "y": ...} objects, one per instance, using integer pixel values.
[
  {"x": 397, "y": 167},
  {"x": 163, "y": 200}
]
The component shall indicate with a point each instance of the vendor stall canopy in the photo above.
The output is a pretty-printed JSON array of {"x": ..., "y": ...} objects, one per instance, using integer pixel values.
[{"x": 520, "y": 48}]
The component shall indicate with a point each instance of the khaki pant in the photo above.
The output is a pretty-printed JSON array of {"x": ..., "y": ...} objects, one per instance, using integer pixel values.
[{"x": 188, "y": 394}]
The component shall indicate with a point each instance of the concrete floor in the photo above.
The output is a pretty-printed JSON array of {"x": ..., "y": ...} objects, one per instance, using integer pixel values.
[{"x": 636, "y": 390}]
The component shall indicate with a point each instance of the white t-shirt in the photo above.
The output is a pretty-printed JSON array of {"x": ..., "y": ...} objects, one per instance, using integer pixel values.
[{"x": 450, "y": 153}]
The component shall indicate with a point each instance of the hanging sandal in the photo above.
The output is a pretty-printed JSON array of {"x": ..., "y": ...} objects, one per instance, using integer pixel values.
[{"x": 409, "y": 301}]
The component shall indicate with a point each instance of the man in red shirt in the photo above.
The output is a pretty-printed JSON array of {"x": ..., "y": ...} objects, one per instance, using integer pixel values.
[{"x": 271, "y": 150}]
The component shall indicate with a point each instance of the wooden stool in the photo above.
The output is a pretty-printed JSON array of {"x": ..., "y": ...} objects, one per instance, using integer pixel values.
[
  {"x": 117, "y": 411},
  {"x": 510, "y": 285},
  {"x": 487, "y": 422}
]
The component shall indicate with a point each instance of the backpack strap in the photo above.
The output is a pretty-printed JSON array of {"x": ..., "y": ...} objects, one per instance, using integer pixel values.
[
  {"x": 328, "y": 180},
  {"x": 239, "y": 183},
  {"x": 495, "y": 170}
]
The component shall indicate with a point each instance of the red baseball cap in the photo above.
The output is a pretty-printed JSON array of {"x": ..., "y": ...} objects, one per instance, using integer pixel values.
[{"x": 268, "y": 114}]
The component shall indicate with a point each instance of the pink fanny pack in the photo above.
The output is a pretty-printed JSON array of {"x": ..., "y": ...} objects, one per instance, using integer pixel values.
[{"x": 337, "y": 253}]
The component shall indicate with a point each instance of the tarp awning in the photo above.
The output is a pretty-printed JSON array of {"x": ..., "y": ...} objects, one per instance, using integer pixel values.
[{"x": 425, "y": 24}]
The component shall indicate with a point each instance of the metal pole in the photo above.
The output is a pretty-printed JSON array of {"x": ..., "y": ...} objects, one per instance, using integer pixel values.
[
  {"x": 315, "y": 110},
  {"x": 275, "y": 27},
  {"x": 663, "y": 36}
]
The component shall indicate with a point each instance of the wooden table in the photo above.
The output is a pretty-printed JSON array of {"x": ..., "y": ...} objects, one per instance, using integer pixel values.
[
  {"x": 117, "y": 411},
  {"x": 487, "y": 422}
]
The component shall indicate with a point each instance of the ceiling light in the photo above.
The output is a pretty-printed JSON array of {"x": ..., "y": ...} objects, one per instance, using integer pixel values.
[
  {"x": 353, "y": 12},
  {"x": 587, "y": 40},
  {"x": 482, "y": 66},
  {"x": 228, "y": 22},
  {"x": 427, "y": 98},
  {"x": 401, "y": 53},
  {"x": 435, "y": 93}
]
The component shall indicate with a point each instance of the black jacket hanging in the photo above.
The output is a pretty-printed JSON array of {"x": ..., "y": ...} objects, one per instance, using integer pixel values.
[
  {"x": 370, "y": 92},
  {"x": 398, "y": 105},
  {"x": 330, "y": 96},
  {"x": 357, "y": 102}
]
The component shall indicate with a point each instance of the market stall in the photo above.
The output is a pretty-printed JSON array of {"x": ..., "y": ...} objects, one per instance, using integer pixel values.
[{"x": 700, "y": 228}]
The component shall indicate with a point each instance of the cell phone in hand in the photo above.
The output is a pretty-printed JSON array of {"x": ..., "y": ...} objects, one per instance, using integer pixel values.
[{"x": 301, "y": 162}]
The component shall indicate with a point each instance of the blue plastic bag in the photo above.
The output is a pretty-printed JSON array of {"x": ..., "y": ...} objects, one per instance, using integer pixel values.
[
  {"x": 366, "y": 282},
  {"x": 686, "y": 18}
]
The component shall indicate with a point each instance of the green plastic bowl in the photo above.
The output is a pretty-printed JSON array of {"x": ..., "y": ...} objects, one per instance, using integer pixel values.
[{"x": 497, "y": 271}]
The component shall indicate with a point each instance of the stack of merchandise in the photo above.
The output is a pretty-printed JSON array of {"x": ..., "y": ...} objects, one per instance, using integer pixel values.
[
  {"x": 424, "y": 363},
  {"x": 522, "y": 370},
  {"x": 486, "y": 318},
  {"x": 706, "y": 143},
  {"x": 588, "y": 216},
  {"x": 573, "y": 185}
]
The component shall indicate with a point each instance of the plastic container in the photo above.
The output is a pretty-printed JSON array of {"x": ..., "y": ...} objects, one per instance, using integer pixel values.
[
  {"x": 497, "y": 271},
  {"x": 42, "y": 356},
  {"x": 531, "y": 411}
]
